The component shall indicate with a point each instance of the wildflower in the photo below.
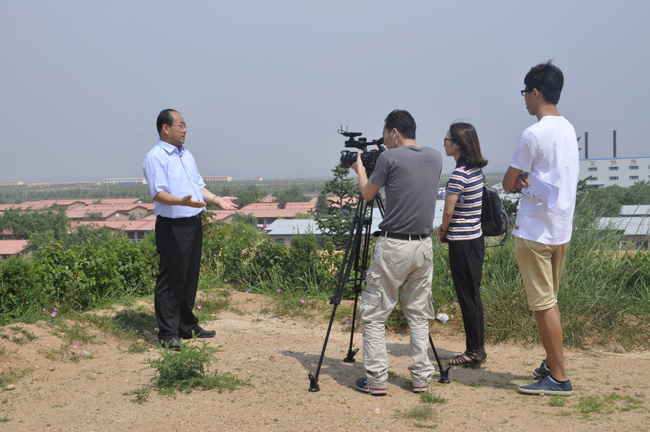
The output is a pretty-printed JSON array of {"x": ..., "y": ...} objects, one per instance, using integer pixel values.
[
  {"x": 248, "y": 290},
  {"x": 225, "y": 280},
  {"x": 355, "y": 325},
  {"x": 454, "y": 304},
  {"x": 202, "y": 299},
  {"x": 198, "y": 307},
  {"x": 346, "y": 317},
  {"x": 56, "y": 309},
  {"x": 74, "y": 345},
  {"x": 44, "y": 309},
  {"x": 105, "y": 335},
  {"x": 347, "y": 323},
  {"x": 302, "y": 301},
  {"x": 67, "y": 312},
  {"x": 53, "y": 314},
  {"x": 279, "y": 290},
  {"x": 74, "y": 311},
  {"x": 210, "y": 296}
]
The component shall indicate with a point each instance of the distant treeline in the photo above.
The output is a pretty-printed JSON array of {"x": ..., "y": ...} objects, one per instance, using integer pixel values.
[{"x": 608, "y": 201}]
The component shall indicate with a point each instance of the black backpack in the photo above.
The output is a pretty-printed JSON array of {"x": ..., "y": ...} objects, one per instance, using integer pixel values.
[{"x": 494, "y": 219}]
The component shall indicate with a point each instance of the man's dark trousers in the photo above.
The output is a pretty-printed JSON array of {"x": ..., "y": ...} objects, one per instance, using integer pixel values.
[{"x": 179, "y": 242}]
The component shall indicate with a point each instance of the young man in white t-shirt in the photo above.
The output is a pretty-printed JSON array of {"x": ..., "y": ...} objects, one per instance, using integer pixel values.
[{"x": 548, "y": 150}]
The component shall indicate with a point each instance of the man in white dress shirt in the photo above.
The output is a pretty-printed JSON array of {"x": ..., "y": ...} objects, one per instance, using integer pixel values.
[{"x": 180, "y": 196}]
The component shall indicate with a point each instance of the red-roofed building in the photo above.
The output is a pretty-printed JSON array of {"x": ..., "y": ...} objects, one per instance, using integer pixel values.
[
  {"x": 267, "y": 212},
  {"x": 223, "y": 215},
  {"x": 135, "y": 230},
  {"x": 12, "y": 247},
  {"x": 108, "y": 215},
  {"x": 66, "y": 204},
  {"x": 217, "y": 179},
  {"x": 138, "y": 210},
  {"x": 121, "y": 201}
]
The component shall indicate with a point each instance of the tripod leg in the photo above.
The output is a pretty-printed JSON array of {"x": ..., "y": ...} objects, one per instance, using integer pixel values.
[
  {"x": 444, "y": 373},
  {"x": 313, "y": 380},
  {"x": 351, "y": 352}
]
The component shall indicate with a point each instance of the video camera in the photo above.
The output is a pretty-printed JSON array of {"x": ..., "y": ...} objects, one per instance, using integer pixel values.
[{"x": 368, "y": 158}]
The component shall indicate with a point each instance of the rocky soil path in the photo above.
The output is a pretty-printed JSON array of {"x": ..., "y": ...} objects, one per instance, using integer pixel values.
[{"x": 612, "y": 391}]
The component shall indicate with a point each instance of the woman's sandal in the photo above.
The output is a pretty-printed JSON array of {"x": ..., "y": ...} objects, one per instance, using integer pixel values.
[{"x": 468, "y": 357}]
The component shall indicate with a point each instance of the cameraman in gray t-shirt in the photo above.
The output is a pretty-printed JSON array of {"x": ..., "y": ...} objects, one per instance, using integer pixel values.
[{"x": 402, "y": 260}]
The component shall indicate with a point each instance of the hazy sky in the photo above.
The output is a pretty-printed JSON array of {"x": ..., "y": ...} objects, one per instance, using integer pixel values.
[{"x": 264, "y": 85}]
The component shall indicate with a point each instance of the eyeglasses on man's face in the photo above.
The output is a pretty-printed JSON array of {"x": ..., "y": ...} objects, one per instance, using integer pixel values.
[
  {"x": 524, "y": 91},
  {"x": 181, "y": 126}
]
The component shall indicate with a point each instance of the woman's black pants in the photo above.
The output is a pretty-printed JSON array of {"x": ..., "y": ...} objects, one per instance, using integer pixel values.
[{"x": 466, "y": 264}]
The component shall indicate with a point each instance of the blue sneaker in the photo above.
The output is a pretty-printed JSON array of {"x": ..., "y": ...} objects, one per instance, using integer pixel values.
[
  {"x": 548, "y": 386},
  {"x": 362, "y": 386},
  {"x": 542, "y": 371}
]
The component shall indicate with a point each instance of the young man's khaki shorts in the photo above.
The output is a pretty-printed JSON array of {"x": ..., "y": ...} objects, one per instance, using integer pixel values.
[{"x": 541, "y": 268}]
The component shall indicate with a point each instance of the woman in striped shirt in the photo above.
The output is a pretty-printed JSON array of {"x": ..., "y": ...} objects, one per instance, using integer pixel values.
[{"x": 461, "y": 230}]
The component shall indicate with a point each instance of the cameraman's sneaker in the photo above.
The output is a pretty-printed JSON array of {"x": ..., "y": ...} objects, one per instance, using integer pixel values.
[
  {"x": 362, "y": 386},
  {"x": 548, "y": 386},
  {"x": 542, "y": 371},
  {"x": 420, "y": 389}
]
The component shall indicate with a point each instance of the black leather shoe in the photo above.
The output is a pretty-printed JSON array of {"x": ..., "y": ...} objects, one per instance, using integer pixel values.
[
  {"x": 173, "y": 344},
  {"x": 201, "y": 333}
]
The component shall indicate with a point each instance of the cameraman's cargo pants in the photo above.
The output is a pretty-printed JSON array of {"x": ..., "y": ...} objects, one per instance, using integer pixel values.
[{"x": 401, "y": 267}]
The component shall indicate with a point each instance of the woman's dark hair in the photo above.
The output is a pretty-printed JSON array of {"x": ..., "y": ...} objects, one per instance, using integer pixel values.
[
  {"x": 165, "y": 118},
  {"x": 466, "y": 137}
]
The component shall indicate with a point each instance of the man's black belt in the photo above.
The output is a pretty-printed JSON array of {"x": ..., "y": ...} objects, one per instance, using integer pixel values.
[
  {"x": 189, "y": 217},
  {"x": 404, "y": 236}
]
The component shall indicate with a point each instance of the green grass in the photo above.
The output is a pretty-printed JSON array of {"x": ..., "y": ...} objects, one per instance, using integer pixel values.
[
  {"x": 423, "y": 426},
  {"x": 211, "y": 304},
  {"x": 607, "y": 404},
  {"x": 420, "y": 412},
  {"x": 18, "y": 335},
  {"x": 141, "y": 395},
  {"x": 128, "y": 325},
  {"x": 188, "y": 369},
  {"x": 432, "y": 399},
  {"x": 557, "y": 401},
  {"x": 13, "y": 375}
]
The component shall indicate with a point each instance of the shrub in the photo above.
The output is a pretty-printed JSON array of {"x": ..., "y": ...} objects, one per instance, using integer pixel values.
[
  {"x": 19, "y": 293},
  {"x": 75, "y": 277}
]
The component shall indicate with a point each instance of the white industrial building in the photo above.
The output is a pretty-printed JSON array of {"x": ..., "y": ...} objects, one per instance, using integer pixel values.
[
  {"x": 127, "y": 180},
  {"x": 620, "y": 171}
]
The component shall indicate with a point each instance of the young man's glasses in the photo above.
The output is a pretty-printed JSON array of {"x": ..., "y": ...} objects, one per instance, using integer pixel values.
[{"x": 524, "y": 91}]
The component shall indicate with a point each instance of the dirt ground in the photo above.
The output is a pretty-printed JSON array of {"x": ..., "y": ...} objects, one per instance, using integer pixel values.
[{"x": 611, "y": 391}]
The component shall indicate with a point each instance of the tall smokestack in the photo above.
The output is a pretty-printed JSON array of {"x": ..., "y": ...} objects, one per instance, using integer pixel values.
[
  {"x": 586, "y": 145},
  {"x": 614, "y": 143}
]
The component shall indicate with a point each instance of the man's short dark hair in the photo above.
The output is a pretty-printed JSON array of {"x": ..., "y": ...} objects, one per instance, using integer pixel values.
[
  {"x": 165, "y": 118},
  {"x": 402, "y": 121},
  {"x": 547, "y": 79}
]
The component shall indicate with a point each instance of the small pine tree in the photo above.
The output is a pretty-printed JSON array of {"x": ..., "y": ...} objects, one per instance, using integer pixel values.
[{"x": 335, "y": 220}]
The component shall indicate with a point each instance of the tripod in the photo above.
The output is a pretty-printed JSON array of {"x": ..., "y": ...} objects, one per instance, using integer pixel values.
[{"x": 355, "y": 258}]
